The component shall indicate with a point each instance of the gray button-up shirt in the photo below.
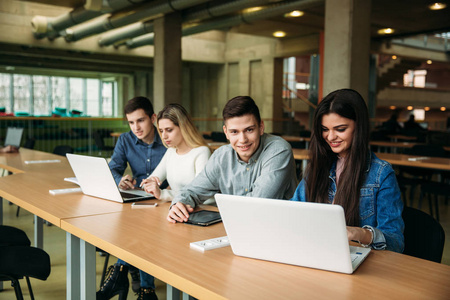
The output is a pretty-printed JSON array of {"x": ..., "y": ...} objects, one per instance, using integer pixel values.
[{"x": 270, "y": 173}]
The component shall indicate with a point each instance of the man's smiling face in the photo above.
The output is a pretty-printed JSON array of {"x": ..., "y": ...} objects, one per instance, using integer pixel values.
[{"x": 244, "y": 134}]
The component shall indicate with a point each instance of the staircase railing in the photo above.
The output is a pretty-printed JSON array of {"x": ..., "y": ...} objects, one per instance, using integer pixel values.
[{"x": 287, "y": 95}]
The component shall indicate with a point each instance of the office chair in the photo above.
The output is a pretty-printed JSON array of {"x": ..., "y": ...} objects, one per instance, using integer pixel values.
[
  {"x": 219, "y": 136},
  {"x": 424, "y": 236},
  {"x": 18, "y": 259},
  {"x": 429, "y": 188},
  {"x": 62, "y": 150},
  {"x": 98, "y": 139},
  {"x": 29, "y": 143}
]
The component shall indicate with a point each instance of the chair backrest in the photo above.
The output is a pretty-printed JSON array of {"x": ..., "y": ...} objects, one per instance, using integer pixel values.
[
  {"x": 98, "y": 139},
  {"x": 62, "y": 150},
  {"x": 424, "y": 236},
  {"x": 12, "y": 236},
  {"x": 18, "y": 261},
  {"x": 29, "y": 143},
  {"x": 218, "y": 136},
  {"x": 438, "y": 138}
]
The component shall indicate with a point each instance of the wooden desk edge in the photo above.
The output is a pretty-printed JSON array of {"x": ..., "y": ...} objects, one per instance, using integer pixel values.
[{"x": 162, "y": 274}]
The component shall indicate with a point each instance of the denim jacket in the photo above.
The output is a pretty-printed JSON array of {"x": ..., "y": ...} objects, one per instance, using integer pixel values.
[{"x": 380, "y": 206}]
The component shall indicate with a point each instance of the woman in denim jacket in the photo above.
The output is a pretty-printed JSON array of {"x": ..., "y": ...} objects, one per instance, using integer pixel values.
[{"x": 342, "y": 170}]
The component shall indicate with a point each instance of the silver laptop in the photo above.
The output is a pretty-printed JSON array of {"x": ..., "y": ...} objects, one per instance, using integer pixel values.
[
  {"x": 306, "y": 234},
  {"x": 13, "y": 136},
  {"x": 95, "y": 179}
]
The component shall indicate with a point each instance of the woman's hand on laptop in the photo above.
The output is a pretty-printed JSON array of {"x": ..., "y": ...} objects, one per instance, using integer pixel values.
[
  {"x": 127, "y": 183},
  {"x": 360, "y": 235},
  {"x": 179, "y": 212}
]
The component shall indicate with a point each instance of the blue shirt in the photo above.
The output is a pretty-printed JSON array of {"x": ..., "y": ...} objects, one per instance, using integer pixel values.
[
  {"x": 269, "y": 173},
  {"x": 143, "y": 158},
  {"x": 380, "y": 206}
]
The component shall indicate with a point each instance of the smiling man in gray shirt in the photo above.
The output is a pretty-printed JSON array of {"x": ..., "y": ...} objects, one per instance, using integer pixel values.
[{"x": 253, "y": 164}]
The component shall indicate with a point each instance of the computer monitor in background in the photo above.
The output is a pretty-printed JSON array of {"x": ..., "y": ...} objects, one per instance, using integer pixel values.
[{"x": 13, "y": 136}]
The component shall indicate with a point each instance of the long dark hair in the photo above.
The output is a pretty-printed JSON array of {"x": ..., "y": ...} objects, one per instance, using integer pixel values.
[{"x": 348, "y": 104}]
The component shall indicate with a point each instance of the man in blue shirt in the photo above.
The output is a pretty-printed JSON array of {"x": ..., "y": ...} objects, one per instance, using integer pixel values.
[{"x": 142, "y": 149}]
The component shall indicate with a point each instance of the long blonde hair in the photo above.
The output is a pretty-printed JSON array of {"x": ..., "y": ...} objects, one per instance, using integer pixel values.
[{"x": 180, "y": 117}]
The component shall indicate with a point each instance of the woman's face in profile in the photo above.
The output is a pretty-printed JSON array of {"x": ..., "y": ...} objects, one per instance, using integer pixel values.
[
  {"x": 170, "y": 133},
  {"x": 338, "y": 131}
]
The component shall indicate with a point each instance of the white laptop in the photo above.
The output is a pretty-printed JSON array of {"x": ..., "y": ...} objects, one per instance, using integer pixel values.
[
  {"x": 13, "y": 136},
  {"x": 95, "y": 179},
  {"x": 306, "y": 234}
]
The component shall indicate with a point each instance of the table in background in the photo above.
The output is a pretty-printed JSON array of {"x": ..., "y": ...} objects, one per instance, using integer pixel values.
[
  {"x": 396, "y": 137},
  {"x": 115, "y": 136},
  {"x": 436, "y": 163},
  {"x": 393, "y": 145}
]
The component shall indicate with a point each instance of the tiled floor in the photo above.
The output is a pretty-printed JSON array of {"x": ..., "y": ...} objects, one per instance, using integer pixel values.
[{"x": 54, "y": 243}]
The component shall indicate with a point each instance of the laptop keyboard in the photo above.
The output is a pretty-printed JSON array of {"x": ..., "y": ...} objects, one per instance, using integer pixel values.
[{"x": 128, "y": 195}]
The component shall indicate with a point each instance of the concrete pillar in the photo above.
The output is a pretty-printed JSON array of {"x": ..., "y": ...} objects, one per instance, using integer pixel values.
[
  {"x": 277, "y": 95},
  {"x": 347, "y": 46},
  {"x": 244, "y": 77},
  {"x": 167, "y": 61}
]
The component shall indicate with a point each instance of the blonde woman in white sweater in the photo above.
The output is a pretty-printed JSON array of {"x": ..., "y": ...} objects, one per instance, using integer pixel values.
[{"x": 185, "y": 158}]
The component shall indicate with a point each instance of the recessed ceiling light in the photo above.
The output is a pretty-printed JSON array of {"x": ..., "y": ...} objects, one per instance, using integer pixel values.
[
  {"x": 386, "y": 31},
  {"x": 437, "y": 6},
  {"x": 392, "y": 107},
  {"x": 252, "y": 9},
  {"x": 443, "y": 108},
  {"x": 279, "y": 34},
  {"x": 394, "y": 57},
  {"x": 294, "y": 14},
  {"x": 429, "y": 62},
  {"x": 409, "y": 107},
  {"x": 426, "y": 108}
]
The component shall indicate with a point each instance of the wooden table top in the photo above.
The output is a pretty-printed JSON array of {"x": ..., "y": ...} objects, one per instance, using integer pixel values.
[
  {"x": 300, "y": 154},
  {"x": 436, "y": 163},
  {"x": 292, "y": 138},
  {"x": 29, "y": 188},
  {"x": 144, "y": 238},
  {"x": 115, "y": 134},
  {"x": 394, "y": 144},
  {"x": 396, "y": 137}
]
